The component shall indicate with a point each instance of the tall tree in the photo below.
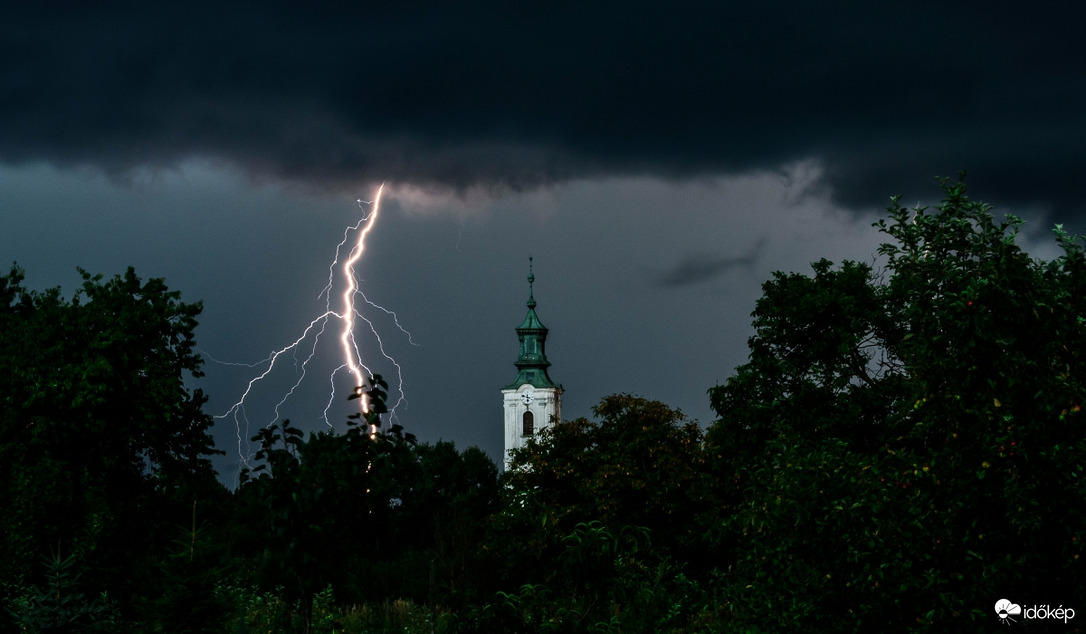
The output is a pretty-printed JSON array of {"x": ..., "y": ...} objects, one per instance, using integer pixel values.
[
  {"x": 97, "y": 424},
  {"x": 318, "y": 505},
  {"x": 637, "y": 465},
  {"x": 603, "y": 521},
  {"x": 373, "y": 515},
  {"x": 909, "y": 441}
]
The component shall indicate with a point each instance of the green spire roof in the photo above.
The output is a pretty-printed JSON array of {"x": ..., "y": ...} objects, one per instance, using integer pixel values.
[{"x": 532, "y": 363}]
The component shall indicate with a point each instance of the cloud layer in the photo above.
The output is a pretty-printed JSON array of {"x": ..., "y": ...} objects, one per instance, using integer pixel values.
[{"x": 511, "y": 96}]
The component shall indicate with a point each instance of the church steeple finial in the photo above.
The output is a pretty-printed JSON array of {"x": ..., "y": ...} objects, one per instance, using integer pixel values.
[{"x": 531, "y": 281}]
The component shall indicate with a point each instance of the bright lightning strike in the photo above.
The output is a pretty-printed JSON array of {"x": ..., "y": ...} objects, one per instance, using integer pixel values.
[
  {"x": 348, "y": 314},
  {"x": 347, "y": 338}
]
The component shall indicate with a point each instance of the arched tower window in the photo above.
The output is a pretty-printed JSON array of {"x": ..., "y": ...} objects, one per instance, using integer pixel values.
[{"x": 529, "y": 423}]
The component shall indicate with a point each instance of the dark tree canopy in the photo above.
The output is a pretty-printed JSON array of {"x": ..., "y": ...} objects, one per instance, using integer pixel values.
[
  {"x": 909, "y": 441},
  {"x": 601, "y": 518},
  {"x": 371, "y": 514},
  {"x": 638, "y": 464},
  {"x": 97, "y": 426}
]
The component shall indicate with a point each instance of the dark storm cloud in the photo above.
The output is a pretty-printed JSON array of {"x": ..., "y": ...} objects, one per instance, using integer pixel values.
[
  {"x": 515, "y": 95},
  {"x": 696, "y": 268}
]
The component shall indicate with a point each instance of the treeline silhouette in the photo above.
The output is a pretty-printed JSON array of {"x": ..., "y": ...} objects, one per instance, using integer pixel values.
[{"x": 904, "y": 448}]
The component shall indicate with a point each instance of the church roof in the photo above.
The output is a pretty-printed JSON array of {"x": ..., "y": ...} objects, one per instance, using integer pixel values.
[
  {"x": 531, "y": 322},
  {"x": 532, "y": 362}
]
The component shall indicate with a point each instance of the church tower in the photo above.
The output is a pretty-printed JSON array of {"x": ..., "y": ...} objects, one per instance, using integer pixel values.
[{"x": 532, "y": 401}]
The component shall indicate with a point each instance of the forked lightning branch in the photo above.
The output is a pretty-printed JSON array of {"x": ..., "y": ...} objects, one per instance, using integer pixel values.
[{"x": 342, "y": 313}]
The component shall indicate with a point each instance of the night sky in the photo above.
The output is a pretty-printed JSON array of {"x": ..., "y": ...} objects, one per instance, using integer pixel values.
[{"x": 657, "y": 162}]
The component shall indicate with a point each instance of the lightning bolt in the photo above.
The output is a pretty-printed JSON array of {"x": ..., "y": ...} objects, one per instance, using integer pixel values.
[
  {"x": 353, "y": 359},
  {"x": 348, "y": 315}
]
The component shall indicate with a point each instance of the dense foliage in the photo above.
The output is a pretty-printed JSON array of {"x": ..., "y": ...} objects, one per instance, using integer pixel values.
[
  {"x": 909, "y": 443},
  {"x": 600, "y": 523},
  {"x": 101, "y": 445},
  {"x": 371, "y": 515},
  {"x": 903, "y": 448}
]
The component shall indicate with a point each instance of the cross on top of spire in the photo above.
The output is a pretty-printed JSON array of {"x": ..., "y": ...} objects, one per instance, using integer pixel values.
[{"x": 531, "y": 281}]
